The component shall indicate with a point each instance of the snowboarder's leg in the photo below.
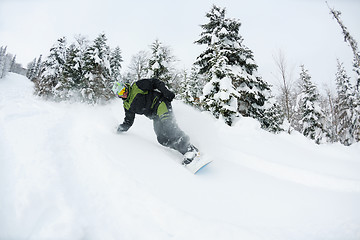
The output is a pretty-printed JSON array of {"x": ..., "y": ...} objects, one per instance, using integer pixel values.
[{"x": 167, "y": 131}]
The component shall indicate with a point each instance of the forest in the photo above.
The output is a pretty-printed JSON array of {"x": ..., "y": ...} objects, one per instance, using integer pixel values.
[{"x": 223, "y": 80}]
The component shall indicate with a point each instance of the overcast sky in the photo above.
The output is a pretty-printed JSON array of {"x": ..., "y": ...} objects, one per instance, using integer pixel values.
[{"x": 302, "y": 29}]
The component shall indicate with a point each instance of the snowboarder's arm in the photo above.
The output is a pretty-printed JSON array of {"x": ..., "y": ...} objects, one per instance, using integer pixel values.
[
  {"x": 154, "y": 83},
  {"x": 128, "y": 121}
]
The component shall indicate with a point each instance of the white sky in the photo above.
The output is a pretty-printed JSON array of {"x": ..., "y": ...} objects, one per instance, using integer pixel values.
[{"x": 303, "y": 29}]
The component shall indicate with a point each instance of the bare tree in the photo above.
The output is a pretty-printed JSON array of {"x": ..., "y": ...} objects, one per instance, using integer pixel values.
[
  {"x": 138, "y": 66},
  {"x": 284, "y": 76}
]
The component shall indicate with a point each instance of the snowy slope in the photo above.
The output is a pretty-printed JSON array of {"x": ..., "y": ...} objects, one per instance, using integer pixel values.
[{"x": 66, "y": 174}]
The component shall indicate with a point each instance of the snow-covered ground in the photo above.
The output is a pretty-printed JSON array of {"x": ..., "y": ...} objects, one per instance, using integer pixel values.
[{"x": 66, "y": 174}]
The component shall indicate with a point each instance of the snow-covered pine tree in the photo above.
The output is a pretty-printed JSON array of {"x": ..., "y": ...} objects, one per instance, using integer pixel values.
[
  {"x": 230, "y": 70},
  {"x": 2, "y": 61},
  {"x": 7, "y": 64},
  {"x": 34, "y": 69},
  {"x": 160, "y": 63},
  {"x": 191, "y": 87},
  {"x": 74, "y": 70},
  {"x": 273, "y": 117},
  {"x": 356, "y": 64},
  {"x": 31, "y": 69},
  {"x": 183, "y": 90},
  {"x": 70, "y": 75},
  {"x": 13, "y": 65},
  {"x": 312, "y": 117},
  {"x": 97, "y": 84},
  {"x": 115, "y": 64},
  {"x": 52, "y": 70},
  {"x": 38, "y": 67},
  {"x": 356, "y": 118},
  {"x": 219, "y": 95},
  {"x": 352, "y": 42},
  {"x": 345, "y": 107}
]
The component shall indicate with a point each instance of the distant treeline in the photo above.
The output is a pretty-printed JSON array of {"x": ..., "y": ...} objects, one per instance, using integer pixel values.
[{"x": 8, "y": 63}]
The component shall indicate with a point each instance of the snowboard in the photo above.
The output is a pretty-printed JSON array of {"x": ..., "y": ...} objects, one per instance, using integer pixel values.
[{"x": 197, "y": 164}]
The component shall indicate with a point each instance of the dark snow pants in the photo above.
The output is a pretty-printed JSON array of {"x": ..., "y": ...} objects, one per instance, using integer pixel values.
[{"x": 167, "y": 131}]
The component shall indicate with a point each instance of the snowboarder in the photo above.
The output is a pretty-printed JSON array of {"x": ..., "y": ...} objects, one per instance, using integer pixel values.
[{"x": 151, "y": 98}]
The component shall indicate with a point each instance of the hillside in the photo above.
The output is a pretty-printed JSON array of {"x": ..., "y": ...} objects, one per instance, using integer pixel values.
[{"x": 66, "y": 174}]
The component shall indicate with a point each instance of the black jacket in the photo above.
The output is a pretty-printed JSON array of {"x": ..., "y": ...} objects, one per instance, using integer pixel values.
[{"x": 144, "y": 98}]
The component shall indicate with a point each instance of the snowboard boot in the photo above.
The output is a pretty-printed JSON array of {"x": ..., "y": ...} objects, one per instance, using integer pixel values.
[{"x": 190, "y": 155}]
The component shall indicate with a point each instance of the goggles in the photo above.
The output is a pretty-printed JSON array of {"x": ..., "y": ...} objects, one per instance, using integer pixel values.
[{"x": 119, "y": 88}]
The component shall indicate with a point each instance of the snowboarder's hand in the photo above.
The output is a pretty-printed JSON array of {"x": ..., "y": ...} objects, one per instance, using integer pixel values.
[{"x": 169, "y": 95}]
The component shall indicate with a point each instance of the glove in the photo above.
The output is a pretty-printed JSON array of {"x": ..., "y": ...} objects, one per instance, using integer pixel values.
[{"x": 169, "y": 95}]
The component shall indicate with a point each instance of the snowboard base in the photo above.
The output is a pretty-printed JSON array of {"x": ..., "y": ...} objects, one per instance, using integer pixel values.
[{"x": 197, "y": 164}]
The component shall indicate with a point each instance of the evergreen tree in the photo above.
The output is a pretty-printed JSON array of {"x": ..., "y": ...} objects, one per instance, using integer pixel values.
[
  {"x": 312, "y": 117},
  {"x": 5, "y": 62},
  {"x": 297, "y": 95},
  {"x": 38, "y": 67},
  {"x": 52, "y": 71},
  {"x": 74, "y": 69},
  {"x": 71, "y": 74},
  {"x": 356, "y": 118},
  {"x": 115, "y": 64},
  {"x": 34, "y": 69},
  {"x": 13, "y": 65},
  {"x": 273, "y": 117},
  {"x": 31, "y": 69},
  {"x": 160, "y": 63},
  {"x": 97, "y": 84},
  {"x": 183, "y": 87},
  {"x": 352, "y": 42},
  {"x": 230, "y": 70},
  {"x": 191, "y": 87},
  {"x": 356, "y": 64},
  {"x": 219, "y": 95},
  {"x": 346, "y": 108},
  {"x": 2, "y": 61}
]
